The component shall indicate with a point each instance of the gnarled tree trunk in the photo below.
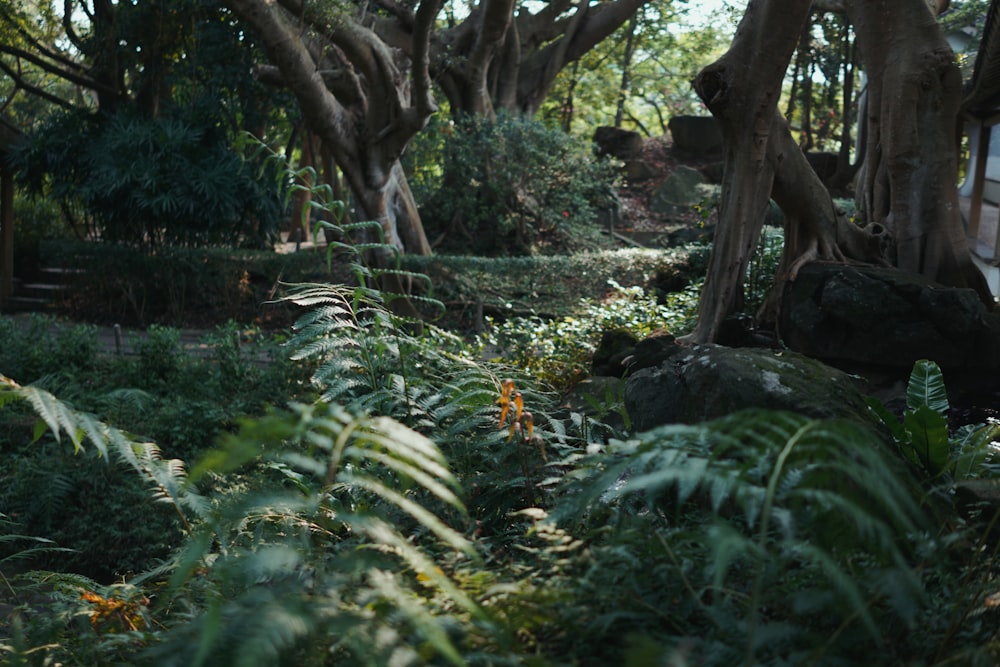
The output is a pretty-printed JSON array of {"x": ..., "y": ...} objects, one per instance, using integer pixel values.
[
  {"x": 741, "y": 89},
  {"x": 355, "y": 95},
  {"x": 908, "y": 180},
  {"x": 908, "y": 190}
]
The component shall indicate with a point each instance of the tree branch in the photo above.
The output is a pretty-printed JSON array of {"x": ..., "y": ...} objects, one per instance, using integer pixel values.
[
  {"x": 320, "y": 109},
  {"x": 21, "y": 84},
  {"x": 78, "y": 79},
  {"x": 585, "y": 29},
  {"x": 423, "y": 99},
  {"x": 36, "y": 44}
]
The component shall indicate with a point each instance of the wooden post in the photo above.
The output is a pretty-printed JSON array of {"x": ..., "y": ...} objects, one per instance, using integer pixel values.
[
  {"x": 978, "y": 182},
  {"x": 6, "y": 235}
]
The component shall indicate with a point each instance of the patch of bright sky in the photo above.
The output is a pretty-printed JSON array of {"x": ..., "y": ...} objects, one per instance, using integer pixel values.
[{"x": 723, "y": 14}]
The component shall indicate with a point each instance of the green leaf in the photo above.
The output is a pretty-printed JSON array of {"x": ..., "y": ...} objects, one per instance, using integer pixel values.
[
  {"x": 890, "y": 420},
  {"x": 926, "y": 388},
  {"x": 928, "y": 431}
]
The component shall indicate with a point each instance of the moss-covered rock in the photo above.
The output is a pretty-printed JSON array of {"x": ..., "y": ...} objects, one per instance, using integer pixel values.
[{"x": 702, "y": 382}]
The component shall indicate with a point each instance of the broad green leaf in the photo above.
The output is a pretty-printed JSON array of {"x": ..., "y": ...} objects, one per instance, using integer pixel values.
[
  {"x": 890, "y": 420},
  {"x": 928, "y": 431},
  {"x": 926, "y": 388}
]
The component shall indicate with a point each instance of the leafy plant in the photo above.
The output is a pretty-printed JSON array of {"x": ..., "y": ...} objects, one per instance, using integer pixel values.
[
  {"x": 559, "y": 351},
  {"x": 922, "y": 433},
  {"x": 147, "y": 182},
  {"x": 346, "y": 558},
  {"x": 780, "y": 539},
  {"x": 59, "y": 485},
  {"x": 514, "y": 186},
  {"x": 35, "y": 347},
  {"x": 762, "y": 267}
]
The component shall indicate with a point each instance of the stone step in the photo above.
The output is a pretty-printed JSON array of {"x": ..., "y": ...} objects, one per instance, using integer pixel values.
[
  {"x": 57, "y": 273},
  {"x": 27, "y": 304},
  {"x": 40, "y": 293}
]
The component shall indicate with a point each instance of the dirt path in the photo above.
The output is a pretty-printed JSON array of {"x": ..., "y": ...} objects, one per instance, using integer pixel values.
[{"x": 117, "y": 340}]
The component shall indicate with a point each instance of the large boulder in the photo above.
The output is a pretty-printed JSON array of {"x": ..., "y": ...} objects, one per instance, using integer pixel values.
[
  {"x": 698, "y": 136},
  {"x": 679, "y": 192},
  {"x": 885, "y": 317},
  {"x": 619, "y": 143},
  {"x": 702, "y": 382}
]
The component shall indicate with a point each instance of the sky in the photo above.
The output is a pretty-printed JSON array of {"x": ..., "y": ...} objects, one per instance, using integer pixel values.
[{"x": 701, "y": 12}]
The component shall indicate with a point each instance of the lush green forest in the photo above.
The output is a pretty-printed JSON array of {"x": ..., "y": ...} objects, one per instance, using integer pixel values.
[{"x": 329, "y": 383}]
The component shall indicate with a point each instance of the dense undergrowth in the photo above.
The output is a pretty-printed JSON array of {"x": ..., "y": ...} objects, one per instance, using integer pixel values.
[{"x": 388, "y": 497}]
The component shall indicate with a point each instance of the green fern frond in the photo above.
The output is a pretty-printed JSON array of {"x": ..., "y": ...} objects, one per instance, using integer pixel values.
[
  {"x": 386, "y": 586},
  {"x": 771, "y": 493},
  {"x": 144, "y": 458}
]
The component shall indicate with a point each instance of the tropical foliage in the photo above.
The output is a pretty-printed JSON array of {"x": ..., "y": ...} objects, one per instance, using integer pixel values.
[
  {"x": 514, "y": 186},
  {"x": 426, "y": 507},
  {"x": 149, "y": 182}
]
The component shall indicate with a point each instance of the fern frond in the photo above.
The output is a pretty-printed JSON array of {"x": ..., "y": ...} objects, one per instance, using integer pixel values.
[
  {"x": 387, "y": 586},
  {"x": 424, "y": 517},
  {"x": 142, "y": 457}
]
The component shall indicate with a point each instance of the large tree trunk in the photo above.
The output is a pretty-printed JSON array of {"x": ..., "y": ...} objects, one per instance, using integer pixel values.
[
  {"x": 356, "y": 97},
  {"x": 909, "y": 177},
  {"x": 908, "y": 189},
  {"x": 741, "y": 89}
]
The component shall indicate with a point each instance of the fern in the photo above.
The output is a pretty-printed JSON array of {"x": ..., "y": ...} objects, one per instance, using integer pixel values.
[
  {"x": 165, "y": 477},
  {"x": 307, "y": 567},
  {"x": 787, "y": 508}
]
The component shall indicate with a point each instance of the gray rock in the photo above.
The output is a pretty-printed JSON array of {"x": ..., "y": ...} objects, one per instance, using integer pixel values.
[
  {"x": 619, "y": 143},
  {"x": 639, "y": 170},
  {"x": 679, "y": 192},
  {"x": 703, "y": 382},
  {"x": 698, "y": 136},
  {"x": 886, "y": 317},
  {"x": 614, "y": 347},
  {"x": 714, "y": 171}
]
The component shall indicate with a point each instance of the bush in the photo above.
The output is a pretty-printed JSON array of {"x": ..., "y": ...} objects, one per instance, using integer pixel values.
[
  {"x": 149, "y": 182},
  {"x": 188, "y": 287},
  {"x": 559, "y": 351},
  {"x": 515, "y": 186},
  {"x": 36, "y": 347}
]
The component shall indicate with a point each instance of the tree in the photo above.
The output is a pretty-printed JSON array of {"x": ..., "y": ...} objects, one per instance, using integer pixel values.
[
  {"x": 356, "y": 95},
  {"x": 143, "y": 141},
  {"x": 501, "y": 55},
  {"x": 668, "y": 50},
  {"x": 362, "y": 78},
  {"x": 907, "y": 190}
]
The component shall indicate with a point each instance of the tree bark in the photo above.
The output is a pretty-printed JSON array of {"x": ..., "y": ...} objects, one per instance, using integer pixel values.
[
  {"x": 908, "y": 189},
  {"x": 626, "y": 83},
  {"x": 741, "y": 89},
  {"x": 908, "y": 181},
  {"x": 360, "y": 102}
]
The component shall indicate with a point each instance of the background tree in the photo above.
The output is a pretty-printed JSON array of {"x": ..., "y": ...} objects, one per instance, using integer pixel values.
[
  {"x": 357, "y": 96},
  {"x": 503, "y": 55},
  {"x": 669, "y": 49},
  {"x": 908, "y": 184},
  {"x": 488, "y": 60},
  {"x": 149, "y": 100}
]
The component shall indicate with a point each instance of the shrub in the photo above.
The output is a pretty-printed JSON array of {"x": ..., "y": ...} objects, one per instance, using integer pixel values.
[
  {"x": 190, "y": 287},
  {"x": 515, "y": 186},
  {"x": 559, "y": 350},
  {"x": 37, "y": 346},
  {"x": 147, "y": 182}
]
